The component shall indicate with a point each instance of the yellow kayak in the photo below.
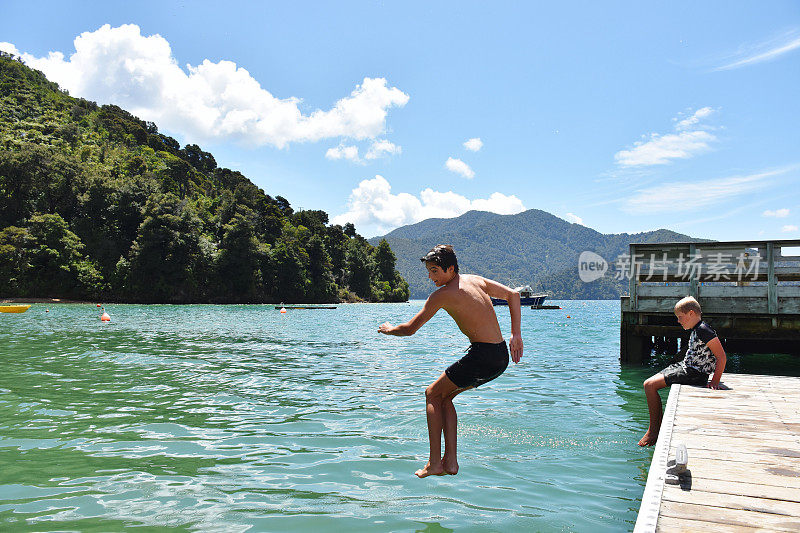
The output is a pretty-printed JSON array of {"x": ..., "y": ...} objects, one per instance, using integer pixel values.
[{"x": 14, "y": 308}]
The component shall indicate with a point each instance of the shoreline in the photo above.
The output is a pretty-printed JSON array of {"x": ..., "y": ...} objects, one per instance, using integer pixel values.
[
  {"x": 42, "y": 301},
  {"x": 67, "y": 301}
]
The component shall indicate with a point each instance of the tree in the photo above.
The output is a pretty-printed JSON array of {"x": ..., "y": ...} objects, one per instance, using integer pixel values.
[
  {"x": 57, "y": 265},
  {"x": 290, "y": 276},
  {"x": 202, "y": 161},
  {"x": 323, "y": 287},
  {"x": 336, "y": 243},
  {"x": 15, "y": 251},
  {"x": 35, "y": 179},
  {"x": 177, "y": 176},
  {"x": 313, "y": 220},
  {"x": 385, "y": 261},
  {"x": 284, "y": 206},
  {"x": 360, "y": 267},
  {"x": 166, "y": 251},
  {"x": 238, "y": 259}
]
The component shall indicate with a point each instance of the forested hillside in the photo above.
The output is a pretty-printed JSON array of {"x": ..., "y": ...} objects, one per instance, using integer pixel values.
[
  {"x": 533, "y": 247},
  {"x": 97, "y": 204}
]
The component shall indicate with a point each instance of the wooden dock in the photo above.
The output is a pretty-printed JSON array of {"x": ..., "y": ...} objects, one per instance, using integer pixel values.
[
  {"x": 744, "y": 458},
  {"x": 749, "y": 292}
]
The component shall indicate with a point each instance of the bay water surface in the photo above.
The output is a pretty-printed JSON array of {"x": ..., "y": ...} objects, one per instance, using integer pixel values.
[{"x": 238, "y": 418}]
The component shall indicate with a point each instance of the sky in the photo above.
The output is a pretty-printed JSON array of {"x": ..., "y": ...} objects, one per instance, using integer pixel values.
[{"x": 621, "y": 116}]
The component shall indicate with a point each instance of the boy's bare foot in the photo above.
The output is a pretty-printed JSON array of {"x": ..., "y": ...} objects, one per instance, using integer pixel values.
[
  {"x": 431, "y": 470},
  {"x": 649, "y": 439},
  {"x": 450, "y": 465}
]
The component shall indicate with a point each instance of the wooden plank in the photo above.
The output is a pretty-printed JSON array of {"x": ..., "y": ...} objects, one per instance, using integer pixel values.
[
  {"x": 693, "y": 282},
  {"x": 715, "y": 433},
  {"x": 714, "y": 290},
  {"x": 704, "y": 442},
  {"x": 772, "y": 281},
  {"x": 730, "y": 517},
  {"x": 633, "y": 282},
  {"x": 759, "y": 473},
  {"x": 669, "y": 524},
  {"x": 744, "y": 304},
  {"x": 642, "y": 246},
  {"x": 671, "y": 291},
  {"x": 733, "y": 501},
  {"x": 747, "y": 456},
  {"x": 744, "y": 391},
  {"x": 754, "y": 490},
  {"x": 780, "y": 410},
  {"x": 752, "y": 402},
  {"x": 775, "y": 428}
]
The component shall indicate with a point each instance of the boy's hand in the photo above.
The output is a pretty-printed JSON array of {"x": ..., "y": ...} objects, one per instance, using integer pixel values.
[
  {"x": 385, "y": 328},
  {"x": 713, "y": 385},
  {"x": 516, "y": 348}
]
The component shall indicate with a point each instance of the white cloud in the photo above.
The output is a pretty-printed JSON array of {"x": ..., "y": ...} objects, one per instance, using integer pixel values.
[
  {"x": 575, "y": 219},
  {"x": 695, "y": 195},
  {"x": 789, "y": 228},
  {"x": 379, "y": 148},
  {"x": 474, "y": 144},
  {"x": 211, "y": 100},
  {"x": 343, "y": 152},
  {"x": 660, "y": 149},
  {"x": 765, "y": 51},
  {"x": 382, "y": 147},
  {"x": 499, "y": 203},
  {"x": 698, "y": 115},
  {"x": 459, "y": 167},
  {"x": 8, "y": 48},
  {"x": 777, "y": 213},
  {"x": 373, "y": 205}
]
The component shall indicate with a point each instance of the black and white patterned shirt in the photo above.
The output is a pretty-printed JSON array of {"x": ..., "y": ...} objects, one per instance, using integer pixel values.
[{"x": 699, "y": 355}]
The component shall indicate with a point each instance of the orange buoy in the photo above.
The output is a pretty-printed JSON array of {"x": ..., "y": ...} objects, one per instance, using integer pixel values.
[
  {"x": 283, "y": 310},
  {"x": 569, "y": 316},
  {"x": 98, "y": 305},
  {"x": 104, "y": 317}
]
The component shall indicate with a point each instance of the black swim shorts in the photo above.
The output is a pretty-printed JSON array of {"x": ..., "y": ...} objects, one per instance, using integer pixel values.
[
  {"x": 685, "y": 375},
  {"x": 483, "y": 362}
]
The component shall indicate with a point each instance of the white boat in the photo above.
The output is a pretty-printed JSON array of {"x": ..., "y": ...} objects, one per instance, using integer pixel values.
[{"x": 526, "y": 297}]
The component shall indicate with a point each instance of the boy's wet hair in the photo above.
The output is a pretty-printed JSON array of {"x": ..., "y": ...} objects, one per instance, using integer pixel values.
[
  {"x": 688, "y": 304},
  {"x": 442, "y": 255}
]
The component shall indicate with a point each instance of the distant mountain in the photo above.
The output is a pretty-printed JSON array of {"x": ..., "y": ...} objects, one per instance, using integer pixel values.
[{"x": 533, "y": 247}]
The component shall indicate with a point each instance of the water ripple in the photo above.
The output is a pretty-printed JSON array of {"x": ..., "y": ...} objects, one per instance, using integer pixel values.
[{"x": 237, "y": 418}]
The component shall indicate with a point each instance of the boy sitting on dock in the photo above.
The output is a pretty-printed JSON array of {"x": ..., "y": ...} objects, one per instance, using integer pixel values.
[
  {"x": 467, "y": 299},
  {"x": 704, "y": 356}
]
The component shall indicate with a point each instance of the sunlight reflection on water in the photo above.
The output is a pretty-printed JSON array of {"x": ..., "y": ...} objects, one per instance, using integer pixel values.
[{"x": 229, "y": 418}]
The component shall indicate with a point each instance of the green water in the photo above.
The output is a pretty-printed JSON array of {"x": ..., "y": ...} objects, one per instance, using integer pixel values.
[{"x": 237, "y": 418}]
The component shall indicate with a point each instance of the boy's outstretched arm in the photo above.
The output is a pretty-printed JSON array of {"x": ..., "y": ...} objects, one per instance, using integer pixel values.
[
  {"x": 498, "y": 290},
  {"x": 411, "y": 327},
  {"x": 719, "y": 352}
]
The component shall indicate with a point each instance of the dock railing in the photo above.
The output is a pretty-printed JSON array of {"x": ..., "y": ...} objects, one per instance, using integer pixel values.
[{"x": 749, "y": 291}]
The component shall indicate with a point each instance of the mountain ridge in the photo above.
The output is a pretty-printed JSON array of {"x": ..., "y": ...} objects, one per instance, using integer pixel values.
[{"x": 533, "y": 247}]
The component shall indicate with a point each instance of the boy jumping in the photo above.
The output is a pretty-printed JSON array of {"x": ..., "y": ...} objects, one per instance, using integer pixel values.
[
  {"x": 704, "y": 356},
  {"x": 466, "y": 298}
]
